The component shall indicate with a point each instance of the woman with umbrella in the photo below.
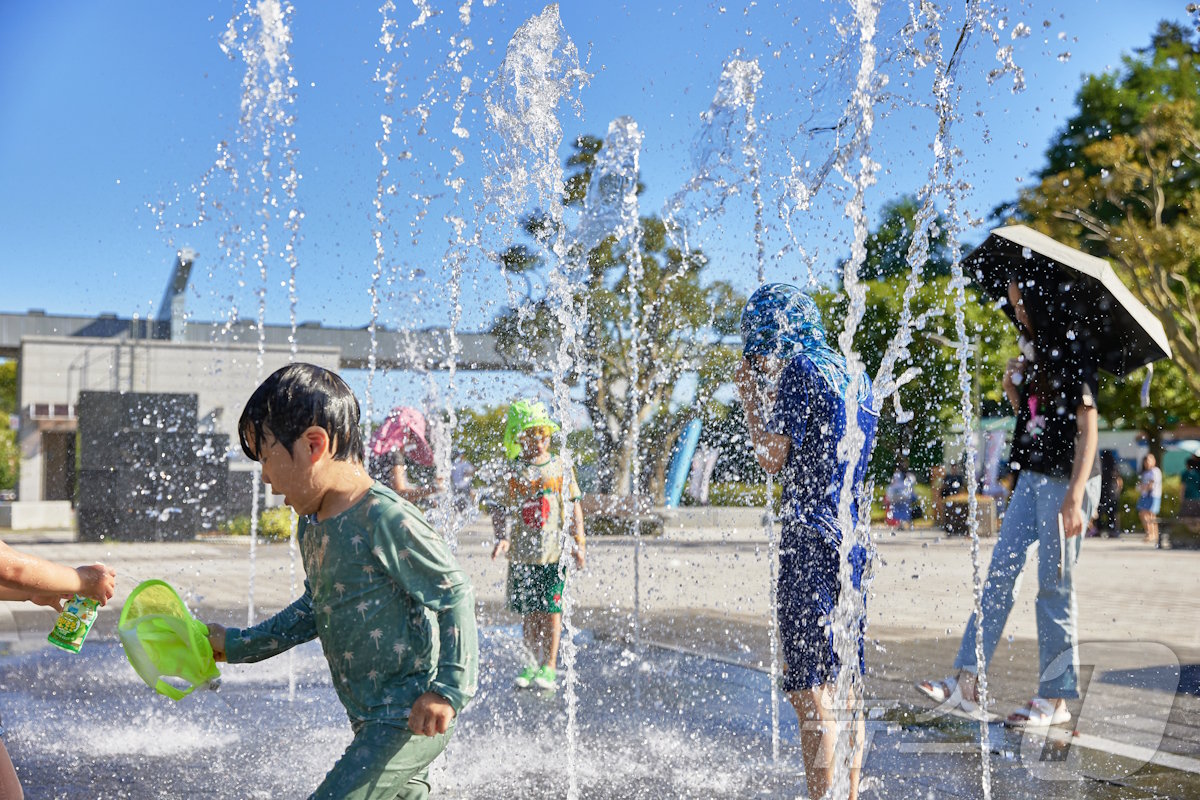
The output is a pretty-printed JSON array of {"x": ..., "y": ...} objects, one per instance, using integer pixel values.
[
  {"x": 1052, "y": 388},
  {"x": 401, "y": 458}
]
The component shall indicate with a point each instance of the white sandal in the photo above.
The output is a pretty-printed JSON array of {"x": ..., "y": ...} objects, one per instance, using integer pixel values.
[
  {"x": 940, "y": 691},
  {"x": 1038, "y": 713}
]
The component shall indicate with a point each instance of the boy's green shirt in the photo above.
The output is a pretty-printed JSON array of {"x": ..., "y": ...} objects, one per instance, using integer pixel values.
[{"x": 393, "y": 610}]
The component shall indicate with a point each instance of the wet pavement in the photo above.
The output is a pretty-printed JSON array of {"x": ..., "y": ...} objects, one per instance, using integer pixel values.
[
  {"x": 663, "y": 724},
  {"x": 686, "y": 714}
]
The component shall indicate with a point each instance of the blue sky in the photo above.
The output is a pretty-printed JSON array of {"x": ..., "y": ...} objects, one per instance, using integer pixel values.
[{"x": 111, "y": 109}]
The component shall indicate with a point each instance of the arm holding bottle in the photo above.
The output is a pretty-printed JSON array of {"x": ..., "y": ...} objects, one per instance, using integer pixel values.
[{"x": 27, "y": 577}]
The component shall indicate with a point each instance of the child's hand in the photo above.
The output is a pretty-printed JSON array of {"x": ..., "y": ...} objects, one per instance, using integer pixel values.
[
  {"x": 430, "y": 715},
  {"x": 49, "y": 599},
  {"x": 216, "y": 638},
  {"x": 500, "y": 548},
  {"x": 577, "y": 551},
  {"x": 97, "y": 582},
  {"x": 744, "y": 378}
]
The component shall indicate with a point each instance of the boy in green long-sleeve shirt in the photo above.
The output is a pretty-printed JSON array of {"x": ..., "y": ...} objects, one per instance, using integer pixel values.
[{"x": 393, "y": 610}]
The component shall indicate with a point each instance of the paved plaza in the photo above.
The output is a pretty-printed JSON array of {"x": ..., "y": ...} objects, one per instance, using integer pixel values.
[{"x": 702, "y": 609}]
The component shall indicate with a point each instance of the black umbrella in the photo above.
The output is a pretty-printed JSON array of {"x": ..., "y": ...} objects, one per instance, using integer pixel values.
[{"x": 1086, "y": 292}]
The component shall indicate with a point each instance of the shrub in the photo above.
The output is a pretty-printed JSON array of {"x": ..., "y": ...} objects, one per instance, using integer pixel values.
[
  {"x": 1127, "y": 504},
  {"x": 747, "y": 495},
  {"x": 274, "y": 524}
]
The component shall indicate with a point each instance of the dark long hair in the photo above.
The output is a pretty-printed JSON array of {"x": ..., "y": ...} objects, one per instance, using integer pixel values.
[{"x": 1061, "y": 335}]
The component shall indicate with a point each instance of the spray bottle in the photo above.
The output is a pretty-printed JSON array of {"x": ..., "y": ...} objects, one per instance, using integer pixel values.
[{"x": 74, "y": 623}]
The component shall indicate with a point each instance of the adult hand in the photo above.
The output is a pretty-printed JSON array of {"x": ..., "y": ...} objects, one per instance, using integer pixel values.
[
  {"x": 500, "y": 549},
  {"x": 216, "y": 638},
  {"x": 97, "y": 582},
  {"x": 430, "y": 715},
  {"x": 1072, "y": 516}
]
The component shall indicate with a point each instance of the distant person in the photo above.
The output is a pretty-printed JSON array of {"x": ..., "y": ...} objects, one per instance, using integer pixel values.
[
  {"x": 1108, "y": 520},
  {"x": 393, "y": 610},
  {"x": 1189, "y": 505},
  {"x": 402, "y": 460},
  {"x": 462, "y": 480},
  {"x": 44, "y": 583},
  {"x": 1150, "y": 497},
  {"x": 794, "y": 390},
  {"x": 902, "y": 496},
  {"x": 535, "y": 495},
  {"x": 1052, "y": 388}
]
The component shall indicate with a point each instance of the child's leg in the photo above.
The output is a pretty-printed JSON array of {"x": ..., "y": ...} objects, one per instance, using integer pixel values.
[
  {"x": 553, "y": 631},
  {"x": 532, "y": 630},
  {"x": 819, "y": 725},
  {"x": 383, "y": 762},
  {"x": 10, "y": 785}
]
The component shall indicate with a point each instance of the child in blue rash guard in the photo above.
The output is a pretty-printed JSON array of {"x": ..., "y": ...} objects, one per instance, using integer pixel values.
[
  {"x": 393, "y": 611},
  {"x": 796, "y": 436}
]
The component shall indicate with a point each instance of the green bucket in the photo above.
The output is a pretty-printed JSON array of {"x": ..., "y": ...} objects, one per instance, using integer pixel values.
[{"x": 163, "y": 640}]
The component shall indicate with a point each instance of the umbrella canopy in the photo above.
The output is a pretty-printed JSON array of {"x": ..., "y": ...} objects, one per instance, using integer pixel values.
[
  {"x": 403, "y": 431},
  {"x": 1123, "y": 331}
]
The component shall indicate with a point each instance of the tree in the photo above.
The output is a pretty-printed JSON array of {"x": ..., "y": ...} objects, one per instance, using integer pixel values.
[
  {"x": 10, "y": 457},
  {"x": 887, "y": 245},
  {"x": 1172, "y": 402},
  {"x": 1122, "y": 182},
  {"x": 646, "y": 318},
  {"x": 933, "y": 399}
]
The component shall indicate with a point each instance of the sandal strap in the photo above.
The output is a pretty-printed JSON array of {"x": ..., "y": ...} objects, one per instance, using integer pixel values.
[{"x": 1037, "y": 705}]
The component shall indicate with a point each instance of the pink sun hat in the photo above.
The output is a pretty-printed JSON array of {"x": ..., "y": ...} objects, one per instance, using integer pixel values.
[{"x": 403, "y": 431}]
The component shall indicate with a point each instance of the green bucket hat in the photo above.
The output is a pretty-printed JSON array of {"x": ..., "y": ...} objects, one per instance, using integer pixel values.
[
  {"x": 523, "y": 415},
  {"x": 162, "y": 639}
]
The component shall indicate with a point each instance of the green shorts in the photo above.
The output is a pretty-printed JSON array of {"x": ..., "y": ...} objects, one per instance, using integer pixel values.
[{"x": 535, "y": 588}]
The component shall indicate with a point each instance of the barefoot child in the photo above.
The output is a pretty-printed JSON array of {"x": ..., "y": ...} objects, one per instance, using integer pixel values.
[
  {"x": 797, "y": 395},
  {"x": 44, "y": 583},
  {"x": 528, "y": 522},
  {"x": 383, "y": 593}
]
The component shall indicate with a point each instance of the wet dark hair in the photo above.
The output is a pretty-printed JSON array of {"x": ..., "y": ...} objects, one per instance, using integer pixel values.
[{"x": 295, "y": 398}]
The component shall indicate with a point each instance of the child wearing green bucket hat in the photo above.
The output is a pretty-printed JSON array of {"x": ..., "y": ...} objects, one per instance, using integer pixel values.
[
  {"x": 529, "y": 523},
  {"x": 393, "y": 610}
]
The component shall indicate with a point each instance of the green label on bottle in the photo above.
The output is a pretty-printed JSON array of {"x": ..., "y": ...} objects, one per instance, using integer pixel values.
[{"x": 73, "y": 623}]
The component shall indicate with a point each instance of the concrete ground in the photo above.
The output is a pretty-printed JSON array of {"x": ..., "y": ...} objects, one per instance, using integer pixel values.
[{"x": 704, "y": 589}]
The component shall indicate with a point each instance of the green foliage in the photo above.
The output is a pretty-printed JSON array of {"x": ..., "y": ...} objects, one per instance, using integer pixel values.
[
  {"x": 1127, "y": 512},
  {"x": 480, "y": 434},
  {"x": 1122, "y": 182},
  {"x": 923, "y": 506},
  {"x": 1172, "y": 402},
  {"x": 934, "y": 397},
  {"x": 750, "y": 495},
  {"x": 888, "y": 245},
  {"x": 8, "y": 387},
  {"x": 10, "y": 454},
  {"x": 10, "y": 457},
  {"x": 274, "y": 524},
  {"x": 656, "y": 291}
]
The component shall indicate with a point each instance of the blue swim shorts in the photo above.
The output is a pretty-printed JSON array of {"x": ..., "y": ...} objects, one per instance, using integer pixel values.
[{"x": 808, "y": 592}]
